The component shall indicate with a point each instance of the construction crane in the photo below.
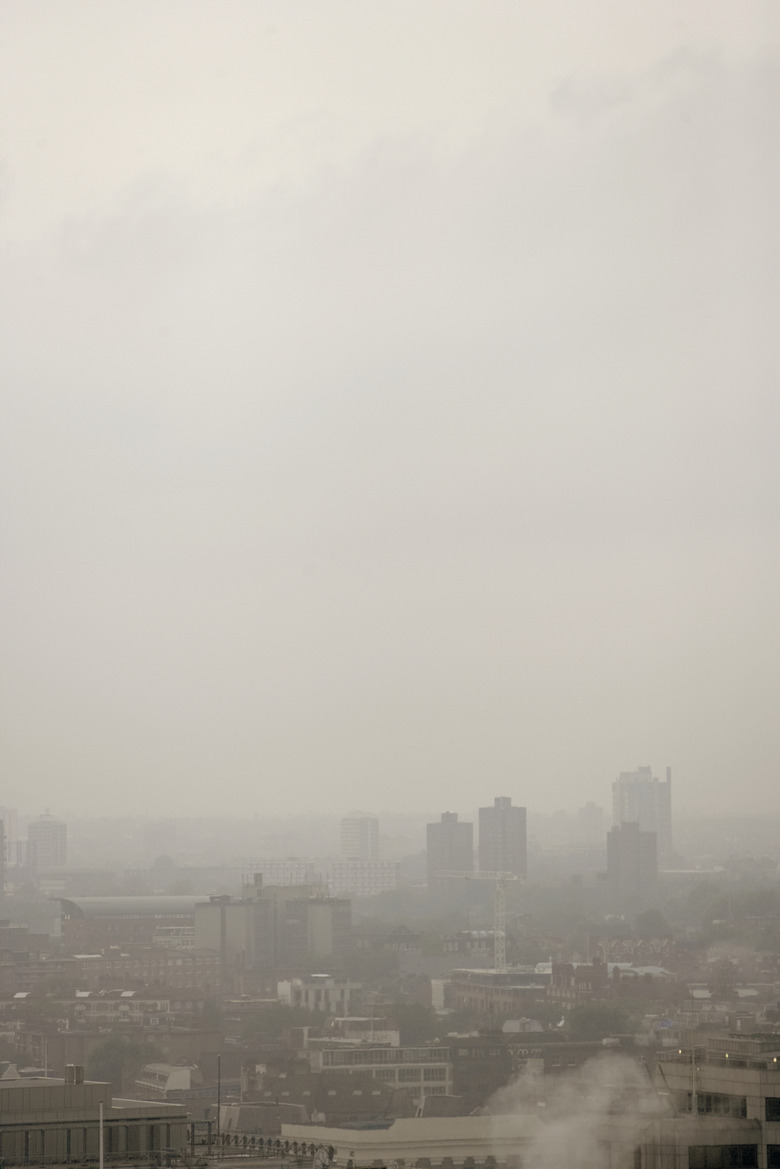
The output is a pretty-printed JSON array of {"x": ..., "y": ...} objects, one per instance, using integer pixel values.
[{"x": 500, "y": 881}]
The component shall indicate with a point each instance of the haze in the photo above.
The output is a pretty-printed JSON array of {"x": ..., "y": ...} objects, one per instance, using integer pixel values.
[{"x": 390, "y": 411}]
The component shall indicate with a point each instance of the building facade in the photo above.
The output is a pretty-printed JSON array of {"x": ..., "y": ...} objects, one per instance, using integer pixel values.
[
  {"x": 47, "y": 843},
  {"x": 288, "y": 928},
  {"x": 421, "y": 1071},
  {"x": 502, "y": 838},
  {"x": 360, "y": 837},
  {"x": 449, "y": 847},
  {"x": 632, "y": 860},
  {"x": 361, "y": 878},
  {"x": 47, "y": 1120},
  {"x": 639, "y": 797},
  {"x": 92, "y": 924}
]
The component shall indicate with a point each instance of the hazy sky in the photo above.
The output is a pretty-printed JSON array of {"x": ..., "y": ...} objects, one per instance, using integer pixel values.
[{"x": 390, "y": 403}]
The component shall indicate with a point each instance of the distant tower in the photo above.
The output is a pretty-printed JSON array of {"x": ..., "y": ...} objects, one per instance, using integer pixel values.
[
  {"x": 590, "y": 824},
  {"x": 502, "y": 838},
  {"x": 10, "y": 821},
  {"x": 632, "y": 860},
  {"x": 360, "y": 837},
  {"x": 450, "y": 847},
  {"x": 639, "y": 798},
  {"x": 47, "y": 843}
]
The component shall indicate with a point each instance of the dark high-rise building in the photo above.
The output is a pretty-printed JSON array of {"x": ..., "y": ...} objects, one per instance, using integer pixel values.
[
  {"x": 632, "y": 860},
  {"x": 450, "y": 847},
  {"x": 502, "y": 838},
  {"x": 639, "y": 797}
]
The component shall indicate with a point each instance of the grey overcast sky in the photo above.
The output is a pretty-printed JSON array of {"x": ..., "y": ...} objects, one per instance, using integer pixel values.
[{"x": 390, "y": 404}]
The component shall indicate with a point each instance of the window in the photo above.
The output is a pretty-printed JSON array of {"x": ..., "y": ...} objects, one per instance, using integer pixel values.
[
  {"x": 772, "y": 1104},
  {"x": 722, "y": 1156},
  {"x": 773, "y": 1156},
  {"x": 719, "y": 1104}
]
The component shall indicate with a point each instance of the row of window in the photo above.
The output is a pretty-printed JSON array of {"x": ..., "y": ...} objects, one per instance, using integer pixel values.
[
  {"x": 716, "y": 1103},
  {"x": 388, "y": 1055},
  {"x": 722, "y": 1156}
]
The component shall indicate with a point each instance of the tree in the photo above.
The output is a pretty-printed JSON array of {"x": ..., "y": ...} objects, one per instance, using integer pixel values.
[
  {"x": 651, "y": 923},
  {"x": 417, "y": 1023}
]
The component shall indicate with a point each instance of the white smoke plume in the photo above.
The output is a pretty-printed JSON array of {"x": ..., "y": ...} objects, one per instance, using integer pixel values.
[{"x": 593, "y": 1117}]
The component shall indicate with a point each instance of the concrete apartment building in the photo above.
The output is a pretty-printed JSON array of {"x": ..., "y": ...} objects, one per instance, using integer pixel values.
[
  {"x": 47, "y": 843},
  {"x": 361, "y": 878},
  {"x": 449, "y": 847},
  {"x": 360, "y": 837},
  {"x": 502, "y": 838},
  {"x": 632, "y": 860},
  {"x": 638, "y": 797}
]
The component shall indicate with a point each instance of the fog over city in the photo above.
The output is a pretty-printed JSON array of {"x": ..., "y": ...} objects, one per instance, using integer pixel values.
[{"x": 390, "y": 405}]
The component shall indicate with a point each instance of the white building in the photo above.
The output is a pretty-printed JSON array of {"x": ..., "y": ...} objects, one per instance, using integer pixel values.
[
  {"x": 360, "y": 837},
  {"x": 284, "y": 871},
  {"x": 361, "y": 878}
]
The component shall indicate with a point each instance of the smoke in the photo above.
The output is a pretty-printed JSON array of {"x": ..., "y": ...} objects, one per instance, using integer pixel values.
[{"x": 592, "y": 1117}]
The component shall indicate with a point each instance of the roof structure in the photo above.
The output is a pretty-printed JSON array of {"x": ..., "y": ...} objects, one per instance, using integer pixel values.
[{"x": 83, "y": 907}]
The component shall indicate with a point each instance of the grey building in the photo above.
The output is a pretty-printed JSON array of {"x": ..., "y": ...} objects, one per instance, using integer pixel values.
[
  {"x": 449, "y": 847},
  {"x": 47, "y": 1120},
  {"x": 632, "y": 860},
  {"x": 274, "y": 928},
  {"x": 47, "y": 843},
  {"x": 502, "y": 838},
  {"x": 639, "y": 797}
]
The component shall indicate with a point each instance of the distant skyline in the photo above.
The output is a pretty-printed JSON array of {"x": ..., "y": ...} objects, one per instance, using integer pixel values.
[{"x": 389, "y": 411}]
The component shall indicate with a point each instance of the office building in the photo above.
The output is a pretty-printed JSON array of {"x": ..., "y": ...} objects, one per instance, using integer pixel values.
[
  {"x": 502, "y": 838},
  {"x": 449, "y": 847},
  {"x": 639, "y": 797},
  {"x": 360, "y": 837},
  {"x": 47, "y": 843}
]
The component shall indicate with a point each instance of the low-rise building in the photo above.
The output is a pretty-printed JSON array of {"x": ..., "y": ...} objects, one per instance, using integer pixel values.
[
  {"x": 361, "y": 878},
  {"x": 320, "y": 992},
  {"x": 47, "y": 1120},
  {"x": 421, "y": 1071}
]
